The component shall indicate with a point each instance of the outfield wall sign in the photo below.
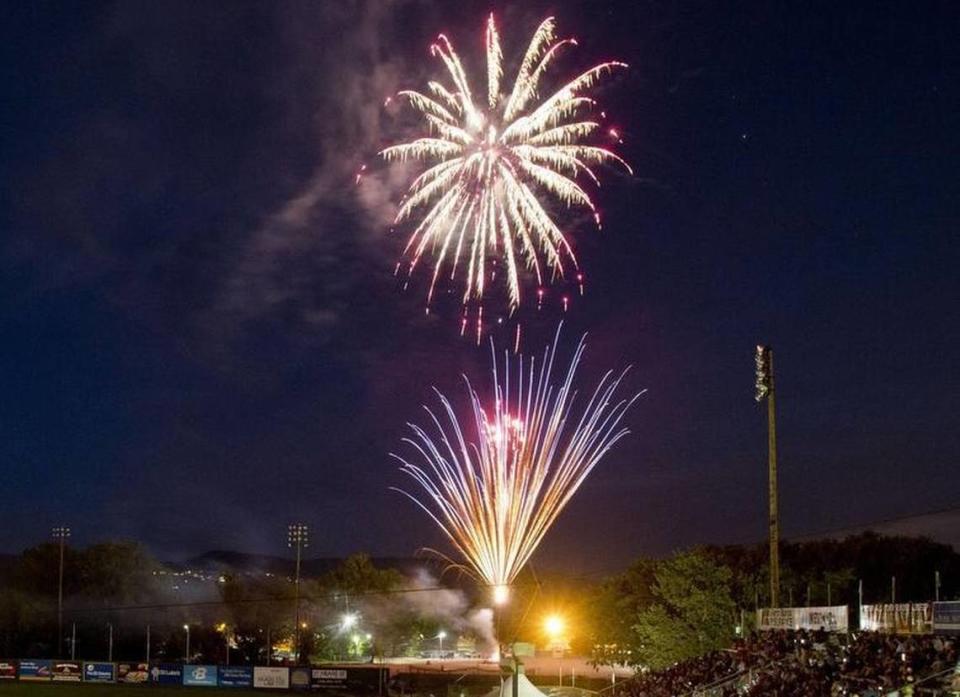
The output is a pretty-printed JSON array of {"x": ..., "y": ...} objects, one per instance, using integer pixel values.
[
  {"x": 8, "y": 670},
  {"x": 67, "y": 671},
  {"x": 200, "y": 675},
  {"x": 300, "y": 678},
  {"x": 899, "y": 618},
  {"x": 99, "y": 672},
  {"x": 271, "y": 678},
  {"x": 166, "y": 674},
  {"x": 831, "y": 619},
  {"x": 133, "y": 672},
  {"x": 35, "y": 669},
  {"x": 352, "y": 679},
  {"x": 946, "y": 617},
  {"x": 235, "y": 676}
]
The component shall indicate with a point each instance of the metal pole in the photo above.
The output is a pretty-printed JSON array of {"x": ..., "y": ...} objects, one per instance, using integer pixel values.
[
  {"x": 766, "y": 389},
  {"x": 296, "y": 643},
  {"x": 226, "y": 641},
  {"x": 936, "y": 586},
  {"x": 148, "y": 643},
  {"x": 829, "y": 604},
  {"x": 61, "y": 532},
  {"x": 73, "y": 642},
  {"x": 269, "y": 647},
  {"x": 893, "y": 590},
  {"x": 774, "y": 506},
  {"x": 186, "y": 658},
  {"x": 110, "y": 645},
  {"x": 297, "y": 537}
]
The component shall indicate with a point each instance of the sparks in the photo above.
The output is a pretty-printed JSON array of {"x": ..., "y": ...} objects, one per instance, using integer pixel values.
[
  {"x": 490, "y": 157},
  {"x": 496, "y": 496}
]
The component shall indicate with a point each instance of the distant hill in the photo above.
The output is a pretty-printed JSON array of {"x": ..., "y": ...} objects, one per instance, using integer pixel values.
[{"x": 226, "y": 561}]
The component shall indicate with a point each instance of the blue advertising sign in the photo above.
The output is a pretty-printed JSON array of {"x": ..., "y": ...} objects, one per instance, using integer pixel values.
[
  {"x": 99, "y": 672},
  {"x": 39, "y": 669},
  {"x": 235, "y": 676},
  {"x": 203, "y": 676},
  {"x": 946, "y": 617},
  {"x": 166, "y": 674}
]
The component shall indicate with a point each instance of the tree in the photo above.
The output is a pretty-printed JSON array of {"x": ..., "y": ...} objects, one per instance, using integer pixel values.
[
  {"x": 357, "y": 575},
  {"x": 693, "y": 611},
  {"x": 615, "y": 606}
]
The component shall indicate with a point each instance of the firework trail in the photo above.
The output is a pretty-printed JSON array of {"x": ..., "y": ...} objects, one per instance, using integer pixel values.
[
  {"x": 497, "y": 490},
  {"x": 490, "y": 158}
]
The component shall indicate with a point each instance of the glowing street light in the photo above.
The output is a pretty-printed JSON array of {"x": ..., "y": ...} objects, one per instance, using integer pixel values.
[
  {"x": 186, "y": 650},
  {"x": 348, "y": 621},
  {"x": 441, "y": 635},
  {"x": 555, "y": 626}
]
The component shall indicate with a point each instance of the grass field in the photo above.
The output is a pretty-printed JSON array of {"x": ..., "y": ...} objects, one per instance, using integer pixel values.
[{"x": 21, "y": 689}]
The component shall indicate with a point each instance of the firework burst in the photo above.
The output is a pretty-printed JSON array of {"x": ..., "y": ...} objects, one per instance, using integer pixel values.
[
  {"x": 491, "y": 159},
  {"x": 496, "y": 491}
]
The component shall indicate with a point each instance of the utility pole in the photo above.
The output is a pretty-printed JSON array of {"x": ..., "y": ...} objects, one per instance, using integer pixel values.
[
  {"x": 766, "y": 390},
  {"x": 936, "y": 586},
  {"x": 110, "y": 644},
  {"x": 60, "y": 533},
  {"x": 148, "y": 644},
  {"x": 297, "y": 539}
]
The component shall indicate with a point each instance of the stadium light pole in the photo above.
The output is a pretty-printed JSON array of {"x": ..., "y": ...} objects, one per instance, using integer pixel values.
[
  {"x": 60, "y": 533},
  {"x": 297, "y": 539},
  {"x": 765, "y": 390},
  {"x": 186, "y": 651}
]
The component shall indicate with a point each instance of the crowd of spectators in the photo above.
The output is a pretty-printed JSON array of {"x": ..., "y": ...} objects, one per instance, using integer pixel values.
[{"x": 808, "y": 664}]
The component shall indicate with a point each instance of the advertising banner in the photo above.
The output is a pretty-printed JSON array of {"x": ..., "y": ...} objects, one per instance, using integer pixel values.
[
  {"x": 300, "y": 678},
  {"x": 166, "y": 674},
  {"x": 271, "y": 678},
  {"x": 35, "y": 669},
  {"x": 8, "y": 670},
  {"x": 66, "y": 671},
  {"x": 329, "y": 678},
  {"x": 99, "y": 672},
  {"x": 354, "y": 679},
  {"x": 946, "y": 617},
  {"x": 830, "y": 619},
  {"x": 899, "y": 618},
  {"x": 235, "y": 676},
  {"x": 133, "y": 672},
  {"x": 201, "y": 676}
]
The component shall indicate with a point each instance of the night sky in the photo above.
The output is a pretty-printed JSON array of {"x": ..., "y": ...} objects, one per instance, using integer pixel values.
[{"x": 203, "y": 339}]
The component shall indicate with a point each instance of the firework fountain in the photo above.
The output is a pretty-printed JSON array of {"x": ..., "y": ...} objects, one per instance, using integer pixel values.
[
  {"x": 497, "y": 480},
  {"x": 491, "y": 157}
]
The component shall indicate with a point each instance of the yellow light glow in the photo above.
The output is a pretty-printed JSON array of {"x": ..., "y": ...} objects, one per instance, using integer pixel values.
[{"x": 555, "y": 626}]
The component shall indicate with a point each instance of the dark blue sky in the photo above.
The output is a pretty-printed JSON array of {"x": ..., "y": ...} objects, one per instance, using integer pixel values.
[{"x": 203, "y": 339}]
